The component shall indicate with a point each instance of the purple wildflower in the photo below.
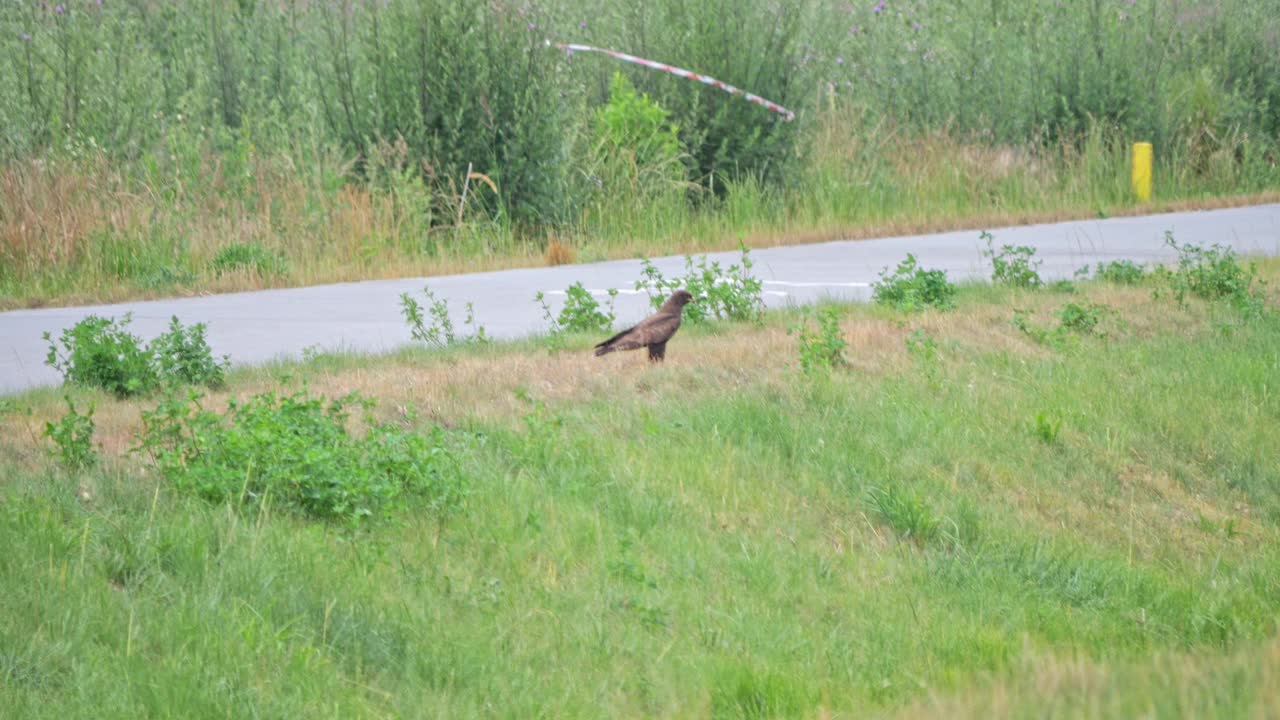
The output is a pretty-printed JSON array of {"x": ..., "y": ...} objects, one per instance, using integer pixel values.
[
  {"x": 840, "y": 60},
  {"x": 879, "y": 7},
  {"x": 915, "y": 26},
  {"x": 57, "y": 9},
  {"x": 533, "y": 26},
  {"x": 582, "y": 25},
  {"x": 26, "y": 37},
  {"x": 853, "y": 30}
]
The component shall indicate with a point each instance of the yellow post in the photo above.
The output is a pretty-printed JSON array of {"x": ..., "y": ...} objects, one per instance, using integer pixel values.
[{"x": 1142, "y": 171}]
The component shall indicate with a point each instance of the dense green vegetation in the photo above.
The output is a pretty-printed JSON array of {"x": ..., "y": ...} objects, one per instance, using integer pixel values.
[
  {"x": 164, "y": 147},
  {"x": 901, "y": 511}
]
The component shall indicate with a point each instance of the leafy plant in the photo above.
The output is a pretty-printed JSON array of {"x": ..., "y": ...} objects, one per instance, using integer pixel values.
[
  {"x": 1074, "y": 320},
  {"x": 1011, "y": 265},
  {"x": 581, "y": 311},
  {"x": 1046, "y": 427},
  {"x": 821, "y": 348},
  {"x": 911, "y": 287},
  {"x": 921, "y": 346},
  {"x": 297, "y": 451},
  {"x": 1120, "y": 272},
  {"x": 1213, "y": 274},
  {"x": 99, "y": 352},
  {"x": 439, "y": 331},
  {"x": 182, "y": 356},
  {"x": 1082, "y": 318},
  {"x": 72, "y": 438},
  {"x": 250, "y": 256},
  {"x": 721, "y": 293},
  {"x": 640, "y": 148}
]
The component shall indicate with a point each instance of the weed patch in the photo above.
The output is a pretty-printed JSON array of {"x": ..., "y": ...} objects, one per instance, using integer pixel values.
[
  {"x": 1015, "y": 266},
  {"x": 1119, "y": 272},
  {"x": 821, "y": 348},
  {"x": 1213, "y": 274},
  {"x": 581, "y": 311},
  {"x": 911, "y": 287},
  {"x": 730, "y": 293},
  {"x": 436, "y": 326},
  {"x": 297, "y": 451},
  {"x": 72, "y": 438},
  {"x": 101, "y": 353}
]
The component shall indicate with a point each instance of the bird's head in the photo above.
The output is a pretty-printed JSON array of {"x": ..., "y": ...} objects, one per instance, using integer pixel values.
[{"x": 681, "y": 297}]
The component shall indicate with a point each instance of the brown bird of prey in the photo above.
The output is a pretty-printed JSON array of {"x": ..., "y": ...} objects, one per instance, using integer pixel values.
[{"x": 653, "y": 332}]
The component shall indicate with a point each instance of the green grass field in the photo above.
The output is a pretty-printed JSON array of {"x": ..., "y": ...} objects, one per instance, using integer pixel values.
[{"x": 970, "y": 524}]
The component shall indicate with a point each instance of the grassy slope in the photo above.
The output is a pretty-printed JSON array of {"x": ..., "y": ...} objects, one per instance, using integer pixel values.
[{"x": 719, "y": 536}]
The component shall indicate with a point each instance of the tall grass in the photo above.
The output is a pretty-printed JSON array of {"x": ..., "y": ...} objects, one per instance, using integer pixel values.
[{"x": 386, "y": 138}]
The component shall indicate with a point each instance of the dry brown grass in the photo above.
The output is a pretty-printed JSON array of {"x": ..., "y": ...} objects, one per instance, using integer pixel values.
[{"x": 558, "y": 253}]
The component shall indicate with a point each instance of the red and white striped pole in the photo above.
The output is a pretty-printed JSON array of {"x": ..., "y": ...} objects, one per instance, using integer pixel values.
[{"x": 680, "y": 72}]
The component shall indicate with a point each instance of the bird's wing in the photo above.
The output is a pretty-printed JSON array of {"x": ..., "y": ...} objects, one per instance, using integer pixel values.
[
  {"x": 654, "y": 329},
  {"x": 621, "y": 341}
]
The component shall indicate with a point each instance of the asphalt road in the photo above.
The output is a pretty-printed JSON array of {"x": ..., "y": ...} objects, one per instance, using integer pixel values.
[{"x": 253, "y": 327}]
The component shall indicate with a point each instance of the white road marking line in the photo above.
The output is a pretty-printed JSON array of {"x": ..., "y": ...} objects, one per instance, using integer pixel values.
[
  {"x": 780, "y": 293},
  {"x": 597, "y": 291},
  {"x": 817, "y": 284}
]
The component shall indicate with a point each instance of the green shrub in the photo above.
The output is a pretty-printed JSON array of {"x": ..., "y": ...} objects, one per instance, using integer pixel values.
[
  {"x": 72, "y": 438},
  {"x": 1011, "y": 265},
  {"x": 1120, "y": 272},
  {"x": 719, "y": 293},
  {"x": 250, "y": 256},
  {"x": 182, "y": 356},
  {"x": 439, "y": 330},
  {"x": 99, "y": 352},
  {"x": 1213, "y": 274},
  {"x": 912, "y": 288},
  {"x": 581, "y": 311},
  {"x": 821, "y": 348},
  {"x": 1074, "y": 320},
  {"x": 640, "y": 150},
  {"x": 297, "y": 451},
  {"x": 1082, "y": 318}
]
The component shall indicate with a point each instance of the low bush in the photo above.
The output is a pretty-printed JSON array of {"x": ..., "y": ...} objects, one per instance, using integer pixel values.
[
  {"x": 182, "y": 356},
  {"x": 581, "y": 311},
  {"x": 1120, "y": 272},
  {"x": 911, "y": 287},
  {"x": 821, "y": 348},
  {"x": 298, "y": 451},
  {"x": 1214, "y": 274},
  {"x": 72, "y": 438},
  {"x": 436, "y": 327},
  {"x": 1012, "y": 265},
  {"x": 101, "y": 353},
  {"x": 719, "y": 293}
]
